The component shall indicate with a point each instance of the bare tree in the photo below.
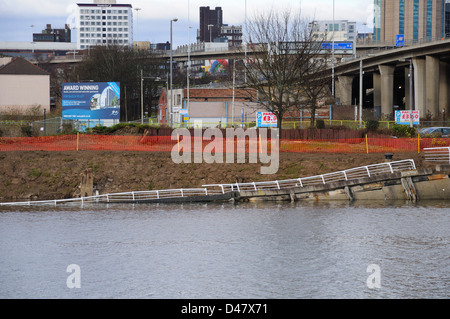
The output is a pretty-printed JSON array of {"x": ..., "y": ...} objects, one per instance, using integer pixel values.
[
  {"x": 282, "y": 51},
  {"x": 315, "y": 87}
]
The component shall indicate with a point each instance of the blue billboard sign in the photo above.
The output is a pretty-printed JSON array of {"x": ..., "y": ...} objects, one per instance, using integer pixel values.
[{"x": 91, "y": 101}]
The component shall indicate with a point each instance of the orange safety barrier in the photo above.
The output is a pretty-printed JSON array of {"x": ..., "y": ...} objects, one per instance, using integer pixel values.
[{"x": 85, "y": 142}]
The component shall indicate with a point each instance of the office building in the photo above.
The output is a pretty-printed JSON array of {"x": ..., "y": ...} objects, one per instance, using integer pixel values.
[
  {"x": 104, "y": 23},
  {"x": 339, "y": 30},
  {"x": 416, "y": 20},
  {"x": 53, "y": 35},
  {"x": 232, "y": 35},
  {"x": 211, "y": 22}
]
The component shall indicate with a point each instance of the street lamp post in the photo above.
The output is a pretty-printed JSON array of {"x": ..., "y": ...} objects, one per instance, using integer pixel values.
[
  {"x": 32, "y": 35},
  {"x": 210, "y": 31},
  {"x": 411, "y": 104},
  {"x": 142, "y": 97},
  {"x": 171, "y": 61},
  {"x": 189, "y": 60},
  {"x": 245, "y": 44},
  {"x": 332, "y": 58},
  {"x": 137, "y": 19},
  {"x": 361, "y": 78}
]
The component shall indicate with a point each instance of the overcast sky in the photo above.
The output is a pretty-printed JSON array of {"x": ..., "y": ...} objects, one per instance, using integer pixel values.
[{"x": 152, "y": 22}]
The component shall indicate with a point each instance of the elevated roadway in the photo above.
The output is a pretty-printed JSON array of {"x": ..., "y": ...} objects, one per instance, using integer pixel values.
[{"x": 386, "y": 74}]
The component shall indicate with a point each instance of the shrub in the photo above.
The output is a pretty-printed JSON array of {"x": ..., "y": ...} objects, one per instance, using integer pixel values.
[
  {"x": 99, "y": 130},
  {"x": 404, "y": 130},
  {"x": 320, "y": 124},
  {"x": 26, "y": 130},
  {"x": 372, "y": 125}
]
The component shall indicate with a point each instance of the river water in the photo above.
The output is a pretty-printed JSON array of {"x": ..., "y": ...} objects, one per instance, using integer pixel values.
[{"x": 227, "y": 251}]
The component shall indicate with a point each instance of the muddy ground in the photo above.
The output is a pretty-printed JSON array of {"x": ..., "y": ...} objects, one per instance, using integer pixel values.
[{"x": 57, "y": 175}]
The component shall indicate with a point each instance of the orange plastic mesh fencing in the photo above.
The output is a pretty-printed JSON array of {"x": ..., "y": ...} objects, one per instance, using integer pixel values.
[{"x": 84, "y": 142}]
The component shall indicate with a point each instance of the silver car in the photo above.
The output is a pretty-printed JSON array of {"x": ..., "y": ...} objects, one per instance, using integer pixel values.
[{"x": 441, "y": 131}]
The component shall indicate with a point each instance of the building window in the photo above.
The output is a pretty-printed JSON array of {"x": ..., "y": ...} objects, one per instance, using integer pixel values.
[
  {"x": 416, "y": 20},
  {"x": 447, "y": 20},
  {"x": 401, "y": 28},
  {"x": 429, "y": 18},
  {"x": 377, "y": 20}
]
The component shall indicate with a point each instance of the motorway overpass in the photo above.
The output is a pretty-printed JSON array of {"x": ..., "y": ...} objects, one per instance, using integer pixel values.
[{"x": 385, "y": 76}]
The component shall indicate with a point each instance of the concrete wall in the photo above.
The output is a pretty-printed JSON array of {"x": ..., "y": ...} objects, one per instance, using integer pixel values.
[{"x": 21, "y": 92}]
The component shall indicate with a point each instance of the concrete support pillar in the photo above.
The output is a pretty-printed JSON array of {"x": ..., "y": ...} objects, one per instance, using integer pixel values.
[
  {"x": 419, "y": 86},
  {"x": 387, "y": 89},
  {"x": 377, "y": 90},
  {"x": 344, "y": 89},
  {"x": 432, "y": 85},
  {"x": 407, "y": 89},
  {"x": 444, "y": 89}
]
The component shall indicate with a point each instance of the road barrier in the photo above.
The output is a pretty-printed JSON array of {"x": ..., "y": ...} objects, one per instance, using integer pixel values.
[{"x": 87, "y": 142}]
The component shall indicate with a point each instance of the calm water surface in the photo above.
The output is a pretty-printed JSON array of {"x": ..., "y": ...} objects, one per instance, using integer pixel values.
[{"x": 249, "y": 250}]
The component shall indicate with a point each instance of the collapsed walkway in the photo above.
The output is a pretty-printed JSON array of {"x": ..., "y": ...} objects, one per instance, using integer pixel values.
[{"x": 390, "y": 180}]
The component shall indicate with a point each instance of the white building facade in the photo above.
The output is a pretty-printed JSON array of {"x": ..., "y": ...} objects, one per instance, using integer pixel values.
[
  {"x": 104, "y": 23},
  {"x": 339, "y": 30}
]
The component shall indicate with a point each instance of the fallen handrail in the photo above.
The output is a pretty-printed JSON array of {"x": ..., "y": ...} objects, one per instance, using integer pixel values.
[
  {"x": 354, "y": 173},
  {"x": 221, "y": 189},
  {"x": 437, "y": 154}
]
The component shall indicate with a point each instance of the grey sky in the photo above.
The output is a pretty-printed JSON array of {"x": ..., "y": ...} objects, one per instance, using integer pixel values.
[{"x": 152, "y": 22}]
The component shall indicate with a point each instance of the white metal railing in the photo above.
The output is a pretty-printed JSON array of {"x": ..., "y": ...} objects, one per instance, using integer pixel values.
[
  {"x": 351, "y": 174},
  {"x": 220, "y": 189},
  {"x": 123, "y": 197},
  {"x": 437, "y": 154}
]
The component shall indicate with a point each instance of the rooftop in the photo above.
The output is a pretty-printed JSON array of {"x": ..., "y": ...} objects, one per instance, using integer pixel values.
[{"x": 22, "y": 67}]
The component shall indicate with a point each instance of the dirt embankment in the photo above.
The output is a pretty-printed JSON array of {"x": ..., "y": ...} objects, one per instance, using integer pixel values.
[{"x": 57, "y": 175}]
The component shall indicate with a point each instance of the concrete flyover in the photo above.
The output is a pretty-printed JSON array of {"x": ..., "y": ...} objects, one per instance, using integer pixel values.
[{"x": 386, "y": 81}]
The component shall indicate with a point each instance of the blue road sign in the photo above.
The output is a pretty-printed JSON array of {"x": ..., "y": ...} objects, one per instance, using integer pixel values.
[{"x": 400, "y": 40}]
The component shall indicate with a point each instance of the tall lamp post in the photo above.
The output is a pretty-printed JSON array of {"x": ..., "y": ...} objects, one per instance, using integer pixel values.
[
  {"x": 332, "y": 58},
  {"x": 245, "y": 44},
  {"x": 189, "y": 60},
  {"x": 361, "y": 78},
  {"x": 32, "y": 35},
  {"x": 171, "y": 61},
  {"x": 210, "y": 31},
  {"x": 411, "y": 101},
  {"x": 137, "y": 18}
]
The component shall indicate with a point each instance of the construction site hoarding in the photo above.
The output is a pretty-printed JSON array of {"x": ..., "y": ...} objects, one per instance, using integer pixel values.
[{"x": 91, "y": 101}]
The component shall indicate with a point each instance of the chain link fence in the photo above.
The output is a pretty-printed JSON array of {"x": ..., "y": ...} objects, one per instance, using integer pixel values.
[{"x": 52, "y": 126}]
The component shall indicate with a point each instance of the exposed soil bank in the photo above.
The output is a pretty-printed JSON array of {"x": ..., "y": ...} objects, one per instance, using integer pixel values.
[{"x": 57, "y": 175}]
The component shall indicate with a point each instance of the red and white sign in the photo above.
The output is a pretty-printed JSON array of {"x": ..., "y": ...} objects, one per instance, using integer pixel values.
[
  {"x": 403, "y": 117},
  {"x": 266, "y": 119}
]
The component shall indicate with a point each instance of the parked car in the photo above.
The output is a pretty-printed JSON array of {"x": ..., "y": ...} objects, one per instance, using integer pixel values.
[{"x": 437, "y": 131}]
